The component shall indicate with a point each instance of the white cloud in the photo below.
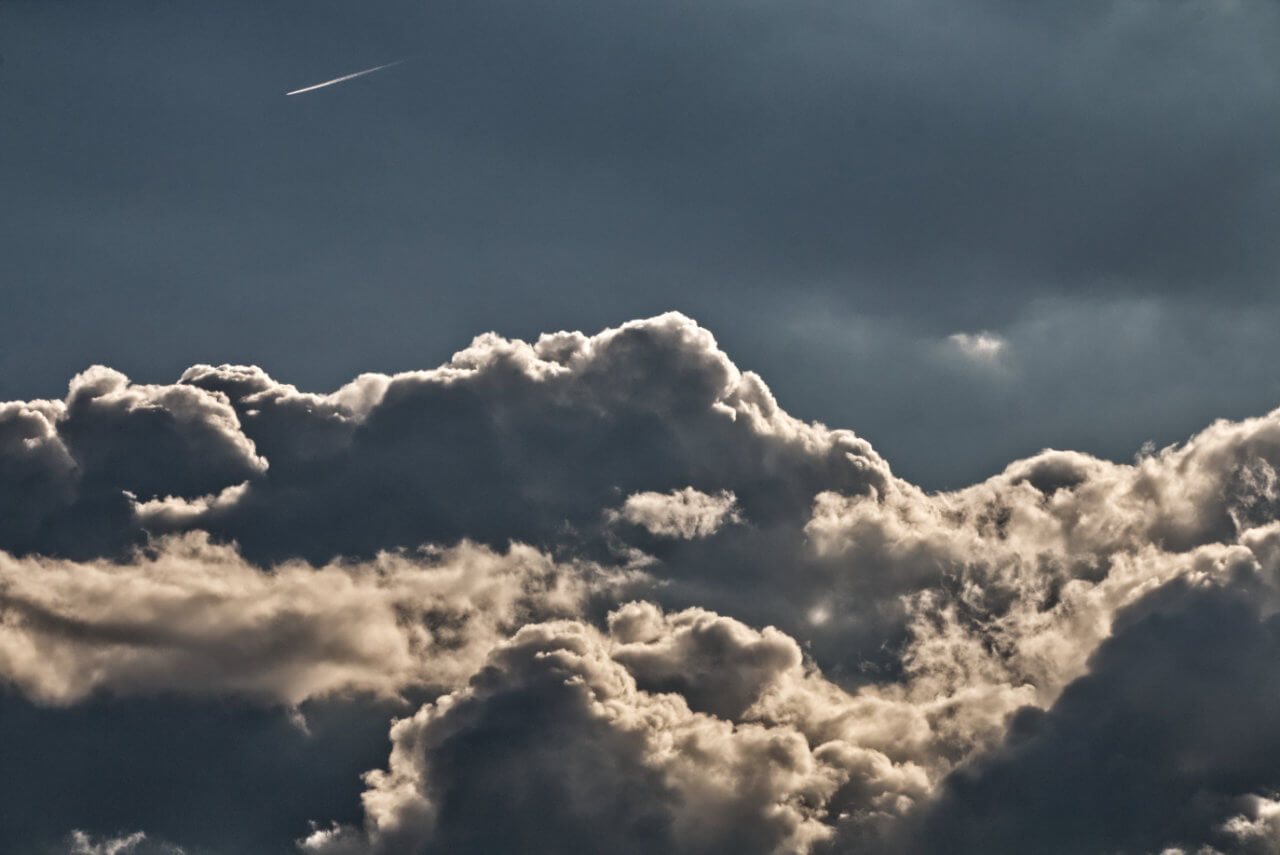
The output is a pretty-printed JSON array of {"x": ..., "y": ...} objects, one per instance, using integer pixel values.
[
  {"x": 979, "y": 347},
  {"x": 1256, "y": 830},
  {"x": 685, "y": 514}
]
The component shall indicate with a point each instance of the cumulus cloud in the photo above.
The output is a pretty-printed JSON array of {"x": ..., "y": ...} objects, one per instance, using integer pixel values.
[
  {"x": 556, "y": 744},
  {"x": 71, "y": 466},
  {"x": 643, "y": 607},
  {"x": 510, "y": 439},
  {"x": 1026, "y": 570}
]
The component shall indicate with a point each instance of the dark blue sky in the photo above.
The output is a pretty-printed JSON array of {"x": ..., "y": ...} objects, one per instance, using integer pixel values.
[{"x": 833, "y": 188}]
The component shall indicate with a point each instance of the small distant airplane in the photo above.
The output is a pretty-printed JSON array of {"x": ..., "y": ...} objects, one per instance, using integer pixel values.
[{"x": 344, "y": 77}]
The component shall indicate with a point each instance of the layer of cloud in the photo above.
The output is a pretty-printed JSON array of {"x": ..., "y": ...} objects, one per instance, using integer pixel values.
[
  {"x": 822, "y": 655},
  {"x": 194, "y": 618}
]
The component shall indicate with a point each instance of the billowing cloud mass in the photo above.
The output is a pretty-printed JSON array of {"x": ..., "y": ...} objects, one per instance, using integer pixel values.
[{"x": 616, "y": 599}]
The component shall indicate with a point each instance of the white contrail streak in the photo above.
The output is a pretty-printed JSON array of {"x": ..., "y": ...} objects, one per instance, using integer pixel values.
[{"x": 344, "y": 77}]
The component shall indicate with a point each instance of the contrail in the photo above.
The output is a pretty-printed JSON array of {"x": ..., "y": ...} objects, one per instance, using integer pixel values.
[{"x": 344, "y": 77}]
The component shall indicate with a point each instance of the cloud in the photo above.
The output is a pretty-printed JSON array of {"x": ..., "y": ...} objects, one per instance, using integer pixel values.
[
  {"x": 80, "y": 843},
  {"x": 559, "y": 442},
  {"x": 685, "y": 514},
  {"x": 194, "y": 618},
  {"x": 72, "y": 465},
  {"x": 1256, "y": 829},
  {"x": 490, "y": 446},
  {"x": 509, "y": 440},
  {"x": 1155, "y": 743},
  {"x": 637, "y": 604},
  {"x": 1073, "y": 653},
  {"x": 978, "y": 347},
  {"x": 555, "y": 744}
]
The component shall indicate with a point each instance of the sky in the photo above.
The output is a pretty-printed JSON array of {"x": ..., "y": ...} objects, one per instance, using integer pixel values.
[
  {"x": 835, "y": 189},
  {"x": 774, "y": 426}
]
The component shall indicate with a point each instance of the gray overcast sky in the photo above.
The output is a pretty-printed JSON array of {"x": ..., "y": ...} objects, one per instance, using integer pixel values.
[{"x": 833, "y": 188}]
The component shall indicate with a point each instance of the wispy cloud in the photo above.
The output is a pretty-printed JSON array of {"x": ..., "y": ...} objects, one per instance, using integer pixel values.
[{"x": 979, "y": 347}]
